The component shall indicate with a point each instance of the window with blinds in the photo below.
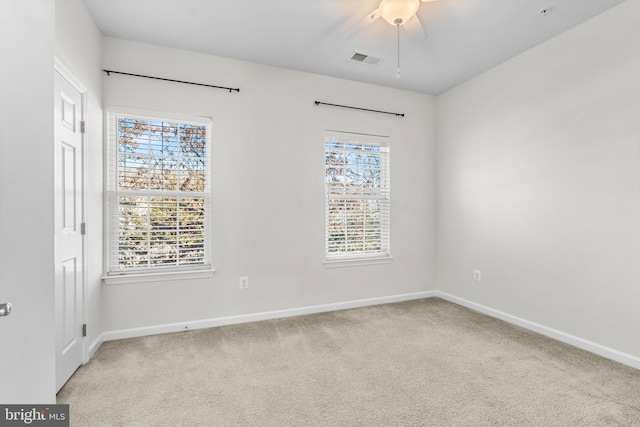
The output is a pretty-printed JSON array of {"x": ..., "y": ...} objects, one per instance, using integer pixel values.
[
  {"x": 357, "y": 196},
  {"x": 157, "y": 192}
]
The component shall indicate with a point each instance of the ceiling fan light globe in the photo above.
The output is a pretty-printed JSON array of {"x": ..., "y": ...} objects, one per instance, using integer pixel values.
[{"x": 398, "y": 12}]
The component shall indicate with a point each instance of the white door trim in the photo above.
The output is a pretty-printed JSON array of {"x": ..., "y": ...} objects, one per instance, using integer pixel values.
[{"x": 59, "y": 67}]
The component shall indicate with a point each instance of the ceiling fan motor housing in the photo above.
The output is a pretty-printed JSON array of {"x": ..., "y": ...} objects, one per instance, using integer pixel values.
[{"x": 398, "y": 12}]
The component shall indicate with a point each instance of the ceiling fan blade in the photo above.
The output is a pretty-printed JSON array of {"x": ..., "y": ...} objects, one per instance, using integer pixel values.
[
  {"x": 415, "y": 30},
  {"x": 367, "y": 20}
]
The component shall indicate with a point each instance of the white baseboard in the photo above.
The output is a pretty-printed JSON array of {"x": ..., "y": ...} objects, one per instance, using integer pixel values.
[
  {"x": 583, "y": 344},
  {"x": 266, "y": 315},
  {"x": 94, "y": 347},
  {"x": 578, "y": 342}
]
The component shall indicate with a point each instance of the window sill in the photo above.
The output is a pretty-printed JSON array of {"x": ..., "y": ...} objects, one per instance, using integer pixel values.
[
  {"x": 353, "y": 262},
  {"x": 123, "y": 279}
]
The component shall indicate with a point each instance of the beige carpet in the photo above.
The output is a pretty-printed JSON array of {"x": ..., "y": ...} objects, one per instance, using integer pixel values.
[{"x": 426, "y": 362}]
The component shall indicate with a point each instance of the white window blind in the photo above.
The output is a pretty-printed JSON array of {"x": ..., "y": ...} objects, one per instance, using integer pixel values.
[
  {"x": 357, "y": 196},
  {"x": 158, "y": 192}
]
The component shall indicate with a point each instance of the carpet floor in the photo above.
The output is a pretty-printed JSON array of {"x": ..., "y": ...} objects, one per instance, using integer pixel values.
[{"x": 417, "y": 363}]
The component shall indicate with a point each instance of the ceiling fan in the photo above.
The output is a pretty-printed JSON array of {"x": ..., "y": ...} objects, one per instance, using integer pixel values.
[{"x": 399, "y": 13}]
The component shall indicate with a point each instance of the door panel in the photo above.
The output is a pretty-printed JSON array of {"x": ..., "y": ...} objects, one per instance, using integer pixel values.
[
  {"x": 68, "y": 200},
  {"x": 69, "y": 261},
  {"x": 69, "y": 308}
]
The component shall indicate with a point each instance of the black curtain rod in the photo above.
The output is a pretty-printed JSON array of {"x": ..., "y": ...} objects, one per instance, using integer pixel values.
[
  {"x": 358, "y": 108},
  {"x": 230, "y": 89}
]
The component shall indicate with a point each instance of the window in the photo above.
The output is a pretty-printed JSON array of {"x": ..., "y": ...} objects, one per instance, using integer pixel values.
[
  {"x": 157, "y": 193},
  {"x": 357, "y": 198}
]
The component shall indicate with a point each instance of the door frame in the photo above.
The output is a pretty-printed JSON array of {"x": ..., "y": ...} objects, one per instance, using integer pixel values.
[{"x": 60, "y": 68}]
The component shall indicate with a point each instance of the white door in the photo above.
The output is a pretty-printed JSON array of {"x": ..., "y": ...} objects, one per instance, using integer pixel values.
[{"x": 69, "y": 263}]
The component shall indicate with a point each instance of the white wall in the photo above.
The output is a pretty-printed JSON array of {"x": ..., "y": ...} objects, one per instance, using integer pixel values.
[
  {"x": 26, "y": 201},
  {"x": 78, "y": 45},
  {"x": 268, "y": 188},
  {"x": 538, "y": 183}
]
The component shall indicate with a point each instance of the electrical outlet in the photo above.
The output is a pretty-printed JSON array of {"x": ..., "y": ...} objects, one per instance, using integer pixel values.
[
  {"x": 477, "y": 276},
  {"x": 244, "y": 282}
]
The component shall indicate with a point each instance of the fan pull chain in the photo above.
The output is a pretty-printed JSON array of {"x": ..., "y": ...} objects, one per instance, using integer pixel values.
[{"x": 398, "y": 72}]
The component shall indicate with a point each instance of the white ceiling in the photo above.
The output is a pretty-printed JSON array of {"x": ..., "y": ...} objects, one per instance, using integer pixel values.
[{"x": 464, "y": 37}]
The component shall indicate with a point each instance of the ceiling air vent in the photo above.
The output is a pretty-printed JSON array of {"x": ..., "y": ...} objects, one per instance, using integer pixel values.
[{"x": 362, "y": 58}]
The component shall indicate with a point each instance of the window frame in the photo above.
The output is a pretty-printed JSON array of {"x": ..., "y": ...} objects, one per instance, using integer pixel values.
[
  {"x": 383, "y": 197},
  {"x": 112, "y": 273}
]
